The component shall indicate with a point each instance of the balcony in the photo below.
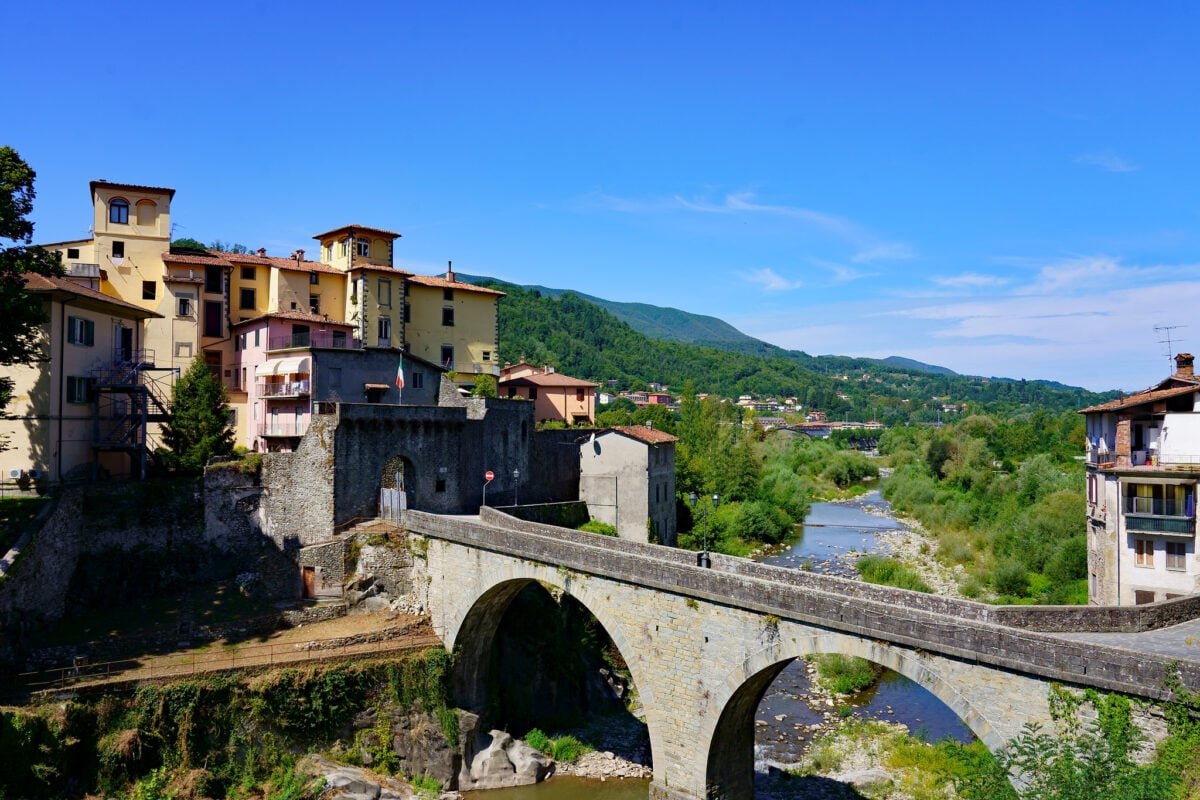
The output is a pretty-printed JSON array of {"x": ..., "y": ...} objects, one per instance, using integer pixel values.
[
  {"x": 1163, "y": 516},
  {"x": 340, "y": 340},
  {"x": 292, "y": 388},
  {"x": 282, "y": 428},
  {"x": 78, "y": 270}
]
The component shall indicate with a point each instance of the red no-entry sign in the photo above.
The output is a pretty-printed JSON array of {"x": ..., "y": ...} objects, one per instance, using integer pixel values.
[{"x": 491, "y": 476}]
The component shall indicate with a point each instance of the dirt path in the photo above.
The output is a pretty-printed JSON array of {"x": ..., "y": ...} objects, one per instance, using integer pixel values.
[{"x": 355, "y": 634}]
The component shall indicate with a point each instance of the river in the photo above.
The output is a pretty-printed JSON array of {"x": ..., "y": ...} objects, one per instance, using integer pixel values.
[{"x": 781, "y": 729}]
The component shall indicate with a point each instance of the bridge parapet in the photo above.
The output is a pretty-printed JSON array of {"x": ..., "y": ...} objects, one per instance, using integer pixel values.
[
  {"x": 954, "y": 628},
  {"x": 1065, "y": 619}
]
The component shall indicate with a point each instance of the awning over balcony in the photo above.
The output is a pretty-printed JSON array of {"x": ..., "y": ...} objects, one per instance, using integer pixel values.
[{"x": 283, "y": 366}]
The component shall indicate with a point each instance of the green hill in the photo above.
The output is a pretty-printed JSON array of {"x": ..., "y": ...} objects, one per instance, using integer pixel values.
[{"x": 582, "y": 338}]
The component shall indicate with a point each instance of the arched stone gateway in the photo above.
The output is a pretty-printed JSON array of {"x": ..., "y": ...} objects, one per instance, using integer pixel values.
[{"x": 703, "y": 645}]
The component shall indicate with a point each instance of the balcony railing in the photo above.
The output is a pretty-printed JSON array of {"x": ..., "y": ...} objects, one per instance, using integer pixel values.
[
  {"x": 335, "y": 339},
  {"x": 78, "y": 270},
  {"x": 282, "y": 428},
  {"x": 298, "y": 388},
  {"x": 1151, "y": 506},
  {"x": 1177, "y": 525}
]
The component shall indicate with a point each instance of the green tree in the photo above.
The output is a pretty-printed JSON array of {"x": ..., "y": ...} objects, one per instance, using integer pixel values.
[
  {"x": 20, "y": 319},
  {"x": 199, "y": 426},
  {"x": 189, "y": 244}
]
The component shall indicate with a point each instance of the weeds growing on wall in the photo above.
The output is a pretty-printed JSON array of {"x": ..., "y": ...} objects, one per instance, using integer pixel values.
[{"x": 221, "y": 736}]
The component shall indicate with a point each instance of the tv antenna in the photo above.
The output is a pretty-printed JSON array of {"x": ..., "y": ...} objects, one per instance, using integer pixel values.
[{"x": 1170, "y": 341}]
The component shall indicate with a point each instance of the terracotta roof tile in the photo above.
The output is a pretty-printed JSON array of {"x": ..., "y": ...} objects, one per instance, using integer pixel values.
[
  {"x": 41, "y": 283},
  {"x": 642, "y": 434},
  {"x": 210, "y": 259},
  {"x": 377, "y": 268},
  {"x": 544, "y": 379},
  {"x": 349, "y": 228},
  {"x": 296, "y": 316},
  {"x": 441, "y": 283},
  {"x": 135, "y": 187},
  {"x": 1142, "y": 398}
]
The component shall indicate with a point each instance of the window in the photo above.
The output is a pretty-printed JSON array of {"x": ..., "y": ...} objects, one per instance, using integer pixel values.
[
  {"x": 487, "y": 355},
  {"x": 81, "y": 331},
  {"x": 447, "y": 294},
  {"x": 212, "y": 280},
  {"x": 146, "y": 212},
  {"x": 448, "y": 356},
  {"x": 148, "y": 290},
  {"x": 407, "y": 313},
  {"x": 300, "y": 335},
  {"x": 79, "y": 389},
  {"x": 314, "y": 303},
  {"x": 247, "y": 273},
  {"x": 184, "y": 306},
  {"x": 533, "y": 393},
  {"x": 439, "y": 485},
  {"x": 1141, "y": 597},
  {"x": 385, "y": 331},
  {"x": 118, "y": 253},
  {"x": 385, "y": 292},
  {"x": 1143, "y": 552},
  {"x": 342, "y": 249},
  {"x": 118, "y": 211},
  {"x": 314, "y": 278},
  {"x": 418, "y": 380},
  {"x": 246, "y": 299},
  {"x": 72, "y": 252},
  {"x": 183, "y": 350},
  {"x": 212, "y": 317},
  {"x": 1176, "y": 554},
  {"x": 339, "y": 339},
  {"x": 448, "y": 316},
  {"x": 256, "y": 331},
  {"x": 362, "y": 247},
  {"x": 579, "y": 395},
  {"x": 232, "y": 418}
]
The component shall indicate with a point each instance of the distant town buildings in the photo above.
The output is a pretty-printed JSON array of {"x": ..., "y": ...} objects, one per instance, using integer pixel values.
[{"x": 555, "y": 396}]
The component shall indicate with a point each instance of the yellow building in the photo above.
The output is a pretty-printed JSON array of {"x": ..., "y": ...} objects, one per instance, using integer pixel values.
[
  {"x": 82, "y": 410},
  {"x": 194, "y": 299},
  {"x": 454, "y": 324}
]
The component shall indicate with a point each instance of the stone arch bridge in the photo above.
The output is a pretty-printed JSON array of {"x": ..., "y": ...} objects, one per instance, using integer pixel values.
[{"x": 703, "y": 645}]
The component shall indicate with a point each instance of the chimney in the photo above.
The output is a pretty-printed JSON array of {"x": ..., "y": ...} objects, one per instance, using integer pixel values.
[
  {"x": 650, "y": 424},
  {"x": 1183, "y": 365},
  {"x": 262, "y": 252},
  {"x": 450, "y": 271},
  {"x": 299, "y": 256}
]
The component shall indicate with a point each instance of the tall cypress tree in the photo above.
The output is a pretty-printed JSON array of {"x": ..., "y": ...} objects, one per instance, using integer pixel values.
[{"x": 199, "y": 426}]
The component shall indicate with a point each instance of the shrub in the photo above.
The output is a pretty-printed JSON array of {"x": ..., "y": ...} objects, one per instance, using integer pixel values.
[
  {"x": 890, "y": 572},
  {"x": 1011, "y": 578},
  {"x": 845, "y": 674},
  {"x": 596, "y": 526}
]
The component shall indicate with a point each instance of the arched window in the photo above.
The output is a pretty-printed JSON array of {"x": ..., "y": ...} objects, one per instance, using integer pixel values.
[
  {"x": 118, "y": 211},
  {"x": 146, "y": 212}
]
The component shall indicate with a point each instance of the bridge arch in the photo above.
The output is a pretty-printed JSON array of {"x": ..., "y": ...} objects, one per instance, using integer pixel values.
[
  {"x": 730, "y": 734},
  {"x": 472, "y": 639}
]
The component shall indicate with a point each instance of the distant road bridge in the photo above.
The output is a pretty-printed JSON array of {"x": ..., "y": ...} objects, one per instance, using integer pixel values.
[{"x": 703, "y": 645}]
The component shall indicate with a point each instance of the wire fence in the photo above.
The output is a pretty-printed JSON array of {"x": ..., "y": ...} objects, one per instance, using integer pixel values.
[{"x": 223, "y": 658}]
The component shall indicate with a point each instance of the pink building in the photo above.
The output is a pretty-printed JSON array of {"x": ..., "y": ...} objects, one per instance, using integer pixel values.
[{"x": 555, "y": 396}]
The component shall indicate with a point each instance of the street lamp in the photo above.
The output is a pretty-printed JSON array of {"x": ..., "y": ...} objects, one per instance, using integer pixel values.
[
  {"x": 516, "y": 487},
  {"x": 703, "y": 559}
]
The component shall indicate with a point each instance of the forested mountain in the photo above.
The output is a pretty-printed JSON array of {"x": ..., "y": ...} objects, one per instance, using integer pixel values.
[{"x": 582, "y": 339}]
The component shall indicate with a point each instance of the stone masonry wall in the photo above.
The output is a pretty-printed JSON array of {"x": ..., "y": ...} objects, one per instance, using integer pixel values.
[
  {"x": 953, "y": 628},
  {"x": 297, "y": 507}
]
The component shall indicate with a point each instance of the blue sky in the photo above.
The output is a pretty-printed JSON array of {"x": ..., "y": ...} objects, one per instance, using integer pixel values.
[{"x": 1003, "y": 189}]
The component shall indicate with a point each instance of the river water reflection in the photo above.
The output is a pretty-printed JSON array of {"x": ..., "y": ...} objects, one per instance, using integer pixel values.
[{"x": 570, "y": 788}]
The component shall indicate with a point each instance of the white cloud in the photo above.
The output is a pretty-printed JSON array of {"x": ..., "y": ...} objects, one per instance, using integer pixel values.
[
  {"x": 969, "y": 280},
  {"x": 770, "y": 281},
  {"x": 867, "y": 246},
  {"x": 1107, "y": 160}
]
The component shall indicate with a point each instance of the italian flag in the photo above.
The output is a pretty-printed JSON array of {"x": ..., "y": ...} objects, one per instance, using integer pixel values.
[{"x": 400, "y": 375}]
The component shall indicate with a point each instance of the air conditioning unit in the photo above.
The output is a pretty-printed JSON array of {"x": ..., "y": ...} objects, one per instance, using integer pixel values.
[
  {"x": 14, "y": 474},
  {"x": 36, "y": 474}
]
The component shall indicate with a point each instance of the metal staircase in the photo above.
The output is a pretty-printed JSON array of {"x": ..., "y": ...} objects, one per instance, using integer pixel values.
[{"x": 129, "y": 394}]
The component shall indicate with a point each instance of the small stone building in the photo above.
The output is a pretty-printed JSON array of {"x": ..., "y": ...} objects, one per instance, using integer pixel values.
[{"x": 627, "y": 479}]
